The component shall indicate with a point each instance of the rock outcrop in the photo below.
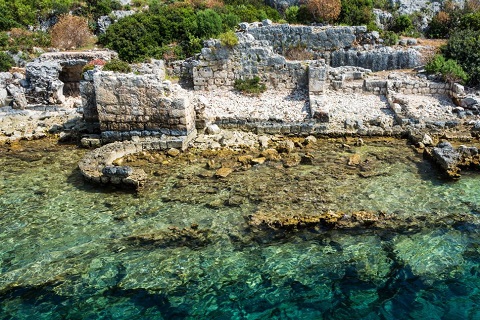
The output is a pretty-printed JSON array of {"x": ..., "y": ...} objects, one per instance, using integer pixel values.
[{"x": 452, "y": 160}]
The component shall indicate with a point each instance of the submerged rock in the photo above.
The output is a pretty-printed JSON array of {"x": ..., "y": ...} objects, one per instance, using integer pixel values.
[
  {"x": 223, "y": 172},
  {"x": 191, "y": 237}
]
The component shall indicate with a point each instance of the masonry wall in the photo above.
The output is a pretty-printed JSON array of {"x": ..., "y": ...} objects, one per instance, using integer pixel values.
[
  {"x": 327, "y": 38},
  {"x": 129, "y": 102},
  {"x": 219, "y": 66}
]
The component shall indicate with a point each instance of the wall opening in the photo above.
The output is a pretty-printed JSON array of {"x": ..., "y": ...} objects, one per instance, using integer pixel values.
[{"x": 71, "y": 76}]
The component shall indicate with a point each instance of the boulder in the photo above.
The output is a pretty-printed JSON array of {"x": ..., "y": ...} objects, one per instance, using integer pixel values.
[{"x": 451, "y": 160}]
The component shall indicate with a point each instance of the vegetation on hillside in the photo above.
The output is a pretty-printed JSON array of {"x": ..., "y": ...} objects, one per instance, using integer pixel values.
[{"x": 175, "y": 29}]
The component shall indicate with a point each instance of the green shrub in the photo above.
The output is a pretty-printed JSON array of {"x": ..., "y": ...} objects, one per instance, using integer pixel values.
[
  {"x": 470, "y": 21},
  {"x": 304, "y": 15},
  {"x": 401, "y": 24},
  {"x": 6, "y": 62},
  {"x": 291, "y": 14},
  {"x": 440, "y": 26},
  {"x": 230, "y": 21},
  {"x": 356, "y": 12},
  {"x": 464, "y": 47},
  {"x": 390, "y": 38},
  {"x": 209, "y": 23},
  {"x": 117, "y": 65},
  {"x": 250, "y": 86},
  {"x": 228, "y": 39},
  {"x": 449, "y": 69}
]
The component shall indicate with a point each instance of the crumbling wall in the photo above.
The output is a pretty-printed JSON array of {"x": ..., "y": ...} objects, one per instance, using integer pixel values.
[
  {"x": 220, "y": 66},
  {"x": 44, "y": 75}
]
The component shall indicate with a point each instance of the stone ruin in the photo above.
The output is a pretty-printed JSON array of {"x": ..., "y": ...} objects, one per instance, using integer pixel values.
[
  {"x": 153, "y": 114},
  {"x": 49, "y": 79}
]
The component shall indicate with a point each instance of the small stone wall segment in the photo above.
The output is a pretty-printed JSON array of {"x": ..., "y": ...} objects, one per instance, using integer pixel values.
[
  {"x": 97, "y": 165},
  {"x": 129, "y": 102},
  {"x": 219, "y": 66},
  {"x": 385, "y": 58},
  {"x": 453, "y": 90}
]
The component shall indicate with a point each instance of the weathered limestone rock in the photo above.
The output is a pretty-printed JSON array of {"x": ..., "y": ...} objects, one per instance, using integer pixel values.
[
  {"x": 43, "y": 82},
  {"x": 451, "y": 160},
  {"x": 104, "y": 22},
  {"x": 18, "y": 97},
  {"x": 382, "y": 18}
]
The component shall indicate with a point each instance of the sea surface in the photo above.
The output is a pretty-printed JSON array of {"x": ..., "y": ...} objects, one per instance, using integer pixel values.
[{"x": 183, "y": 247}]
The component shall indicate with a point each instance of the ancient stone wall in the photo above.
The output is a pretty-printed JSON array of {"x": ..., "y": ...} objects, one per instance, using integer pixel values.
[
  {"x": 385, "y": 58},
  {"x": 220, "y": 66},
  {"x": 413, "y": 86},
  {"x": 142, "y": 105},
  {"x": 326, "y": 38}
]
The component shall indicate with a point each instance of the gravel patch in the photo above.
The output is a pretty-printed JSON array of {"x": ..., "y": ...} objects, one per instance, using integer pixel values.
[
  {"x": 272, "y": 105},
  {"x": 360, "y": 107},
  {"x": 428, "y": 107}
]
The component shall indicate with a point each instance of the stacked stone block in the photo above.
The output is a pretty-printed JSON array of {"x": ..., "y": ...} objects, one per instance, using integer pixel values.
[
  {"x": 129, "y": 102},
  {"x": 219, "y": 66},
  {"x": 326, "y": 38}
]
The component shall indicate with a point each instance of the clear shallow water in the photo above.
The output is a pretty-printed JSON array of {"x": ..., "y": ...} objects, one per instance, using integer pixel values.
[{"x": 67, "y": 251}]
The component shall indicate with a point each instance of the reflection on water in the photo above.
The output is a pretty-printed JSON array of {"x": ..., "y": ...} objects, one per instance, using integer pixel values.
[{"x": 182, "y": 248}]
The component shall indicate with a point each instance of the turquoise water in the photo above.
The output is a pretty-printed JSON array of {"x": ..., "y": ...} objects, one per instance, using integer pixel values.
[{"x": 183, "y": 248}]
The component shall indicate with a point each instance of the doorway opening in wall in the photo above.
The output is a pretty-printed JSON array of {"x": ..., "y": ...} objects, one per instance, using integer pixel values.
[{"x": 71, "y": 76}]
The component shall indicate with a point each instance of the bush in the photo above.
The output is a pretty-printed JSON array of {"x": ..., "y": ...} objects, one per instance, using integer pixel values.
[
  {"x": 356, "y": 12},
  {"x": 390, "y": 38},
  {"x": 117, "y": 65},
  {"x": 401, "y": 24},
  {"x": 250, "y": 86},
  {"x": 24, "y": 40},
  {"x": 449, "y": 69},
  {"x": 439, "y": 26},
  {"x": 464, "y": 47},
  {"x": 470, "y": 21},
  {"x": 291, "y": 14},
  {"x": 304, "y": 15},
  {"x": 71, "y": 32},
  {"x": 229, "y": 39},
  {"x": 6, "y": 62},
  {"x": 209, "y": 23},
  {"x": 324, "y": 10}
]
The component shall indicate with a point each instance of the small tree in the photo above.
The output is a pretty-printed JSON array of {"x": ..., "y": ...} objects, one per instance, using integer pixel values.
[
  {"x": 71, "y": 32},
  {"x": 325, "y": 10}
]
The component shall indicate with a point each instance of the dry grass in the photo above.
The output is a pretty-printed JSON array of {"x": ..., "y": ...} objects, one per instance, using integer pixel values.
[{"x": 71, "y": 32}]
